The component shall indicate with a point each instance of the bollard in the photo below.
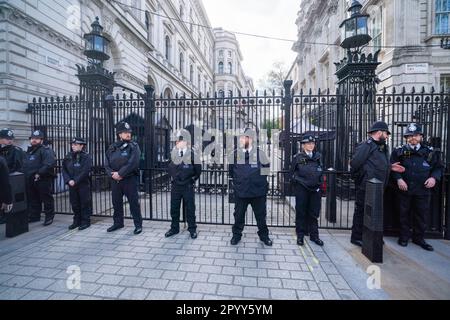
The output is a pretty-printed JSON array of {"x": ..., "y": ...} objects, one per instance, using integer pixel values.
[
  {"x": 17, "y": 220},
  {"x": 330, "y": 210},
  {"x": 373, "y": 221}
]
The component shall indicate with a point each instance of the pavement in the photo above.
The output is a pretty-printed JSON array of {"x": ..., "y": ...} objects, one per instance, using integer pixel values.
[{"x": 54, "y": 263}]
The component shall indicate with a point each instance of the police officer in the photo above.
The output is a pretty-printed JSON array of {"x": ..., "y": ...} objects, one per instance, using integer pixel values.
[
  {"x": 371, "y": 160},
  {"x": 307, "y": 175},
  {"x": 423, "y": 170},
  {"x": 6, "y": 199},
  {"x": 76, "y": 167},
  {"x": 12, "y": 154},
  {"x": 249, "y": 167},
  {"x": 39, "y": 168},
  {"x": 184, "y": 169},
  {"x": 122, "y": 165}
]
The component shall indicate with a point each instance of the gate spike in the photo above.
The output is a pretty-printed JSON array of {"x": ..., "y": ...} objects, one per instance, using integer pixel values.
[
  {"x": 52, "y": 99},
  {"x": 328, "y": 91},
  {"x": 265, "y": 93},
  {"x": 432, "y": 89},
  {"x": 46, "y": 100},
  {"x": 301, "y": 91},
  {"x": 58, "y": 99},
  {"x": 124, "y": 96},
  {"x": 176, "y": 95},
  {"x": 76, "y": 99},
  {"x": 442, "y": 89},
  {"x": 394, "y": 91},
  {"x": 318, "y": 92},
  {"x": 256, "y": 93},
  {"x": 131, "y": 96},
  {"x": 423, "y": 90},
  {"x": 64, "y": 99},
  {"x": 403, "y": 90},
  {"x": 413, "y": 90},
  {"x": 384, "y": 90},
  {"x": 310, "y": 91},
  {"x": 34, "y": 100}
]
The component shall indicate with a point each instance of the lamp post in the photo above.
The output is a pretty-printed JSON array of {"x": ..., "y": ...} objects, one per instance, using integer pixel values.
[
  {"x": 356, "y": 85},
  {"x": 96, "y": 87}
]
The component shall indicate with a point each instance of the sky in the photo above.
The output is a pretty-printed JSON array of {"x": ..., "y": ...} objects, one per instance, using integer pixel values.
[{"x": 274, "y": 18}]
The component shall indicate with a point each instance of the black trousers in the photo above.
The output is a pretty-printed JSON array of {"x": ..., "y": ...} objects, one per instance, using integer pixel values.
[
  {"x": 40, "y": 192},
  {"x": 358, "y": 215},
  {"x": 81, "y": 200},
  {"x": 127, "y": 187},
  {"x": 185, "y": 193},
  {"x": 307, "y": 211},
  {"x": 259, "y": 208},
  {"x": 413, "y": 208}
]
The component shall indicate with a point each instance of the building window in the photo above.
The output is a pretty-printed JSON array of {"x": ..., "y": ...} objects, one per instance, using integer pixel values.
[
  {"x": 168, "y": 48},
  {"x": 229, "y": 53},
  {"x": 230, "y": 68},
  {"x": 199, "y": 80},
  {"x": 220, "y": 67},
  {"x": 182, "y": 62},
  {"x": 221, "y": 93},
  {"x": 442, "y": 16},
  {"x": 191, "y": 73},
  {"x": 181, "y": 12},
  {"x": 148, "y": 25},
  {"x": 377, "y": 29},
  {"x": 445, "y": 82},
  {"x": 220, "y": 53}
]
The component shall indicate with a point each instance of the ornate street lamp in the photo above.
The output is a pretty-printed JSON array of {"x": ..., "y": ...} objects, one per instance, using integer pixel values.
[
  {"x": 354, "y": 30},
  {"x": 96, "y": 45}
]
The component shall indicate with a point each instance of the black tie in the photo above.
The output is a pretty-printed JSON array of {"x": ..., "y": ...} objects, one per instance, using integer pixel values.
[{"x": 181, "y": 153}]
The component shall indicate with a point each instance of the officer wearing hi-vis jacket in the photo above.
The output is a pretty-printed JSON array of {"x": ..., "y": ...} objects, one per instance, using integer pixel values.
[
  {"x": 122, "y": 165},
  {"x": 76, "y": 168},
  {"x": 423, "y": 170},
  {"x": 307, "y": 173}
]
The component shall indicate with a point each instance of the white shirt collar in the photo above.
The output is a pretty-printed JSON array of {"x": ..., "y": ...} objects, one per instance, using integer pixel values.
[
  {"x": 249, "y": 150},
  {"x": 182, "y": 150},
  {"x": 417, "y": 147}
]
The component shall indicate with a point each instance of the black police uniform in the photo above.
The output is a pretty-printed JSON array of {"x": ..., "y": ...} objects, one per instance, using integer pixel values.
[
  {"x": 12, "y": 154},
  {"x": 250, "y": 187},
  {"x": 123, "y": 157},
  {"x": 6, "y": 194},
  {"x": 371, "y": 160},
  {"x": 307, "y": 175},
  {"x": 76, "y": 166},
  {"x": 40, "y": 160},
  {"x": 184, "y": 170},
  {"x": 419, "y": 165}
]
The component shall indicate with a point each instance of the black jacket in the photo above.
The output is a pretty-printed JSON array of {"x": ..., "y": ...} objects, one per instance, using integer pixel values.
[
  {"x": 307, "y": 171},
  {"x": 76, "y": 166},
  {"x": 371, "y": 160},
  {"x": 186, "y": 170},
  {"x": 420, "y": 165},
  {"x": 39, "y": 160},
  {"x": 6, "y": 193},
  {"x": 13, "y": 156},
  {"x": 123, "y": 157},
  {"x": 249, "y": 173}
]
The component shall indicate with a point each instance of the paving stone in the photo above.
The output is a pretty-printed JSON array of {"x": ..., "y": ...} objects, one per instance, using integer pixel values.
[
  {"x": 309, "y": 295},
  {"x": 36, "y": 295},
  {"x": 328, "y": 291},
  {"x": 269, "y": 283},
  {"x": 283, "y": 294},
  {"x": 134, "y": 294},
  {"x": 175, "y": 285},
  {"x": 40, "y": 283},
  {"x": 211, "y": 269},
  {"x": 295, "y": 284},
  {"x": 161, "y": 295},
  {"x": 219, "y": 278},
  {"x": 189, "y": 296},
  {"x": 205, "y": 288},
  {"x": 245, "y": 281},
  {"x": 230, "y": 290},
  {"x": 13, "y": 293},
  {"x": 18, "y": 281},
  {"x": 110, "y": 279},
  {"x": 155, "y": 283},
  {"x": 256, "y": 293},
  {"x": 255, "y": 272}
]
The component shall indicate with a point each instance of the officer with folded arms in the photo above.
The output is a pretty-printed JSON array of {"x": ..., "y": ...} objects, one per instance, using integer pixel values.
[
  {"x": 122, "y": 165},
  {"x": 307, "y": 175},
  {"x": 76, "y": 168},
  {"x": 39, "y": 168},
  {"x": 423, "y": 170}
]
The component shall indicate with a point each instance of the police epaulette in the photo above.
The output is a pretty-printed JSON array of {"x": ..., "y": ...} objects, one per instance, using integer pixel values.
[{"x": 369, "y": 141}]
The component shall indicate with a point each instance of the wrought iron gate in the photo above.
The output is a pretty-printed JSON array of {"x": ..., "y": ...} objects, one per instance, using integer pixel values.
[{"x": 339, "y": 119}]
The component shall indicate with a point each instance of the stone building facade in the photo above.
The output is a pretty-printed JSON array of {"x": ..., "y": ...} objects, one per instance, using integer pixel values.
[
  {"x": 408, "y": 33},
  {"x": 169, "y": 44}
]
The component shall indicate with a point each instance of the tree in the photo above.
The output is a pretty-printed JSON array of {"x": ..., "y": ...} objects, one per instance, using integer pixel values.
[
  {"x": 271, "y": 124},
  {"x": 273, "y": 80}
]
